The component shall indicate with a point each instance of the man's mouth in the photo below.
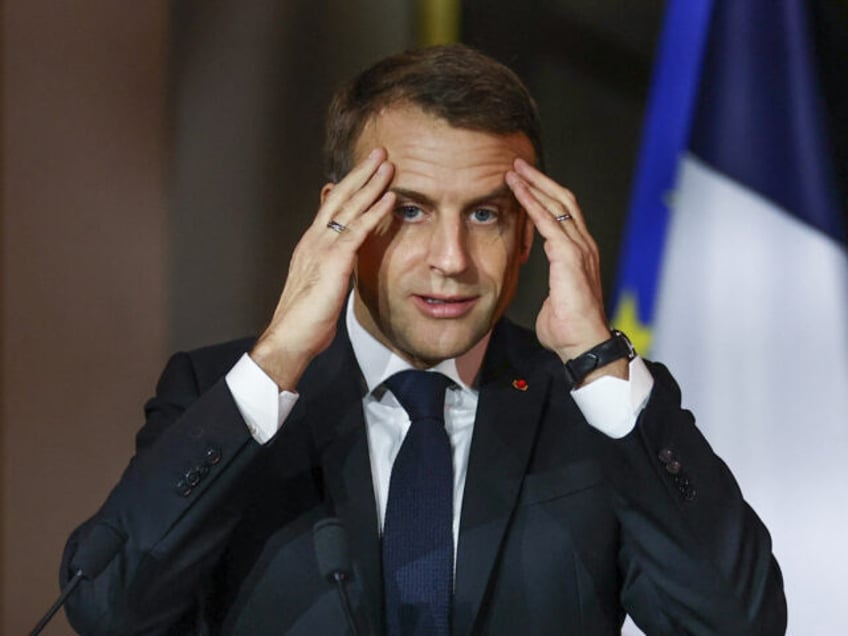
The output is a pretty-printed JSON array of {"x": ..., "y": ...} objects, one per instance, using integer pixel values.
[
  {"x": 444, "y": 306},
  {"x": 437, "y": 301}
]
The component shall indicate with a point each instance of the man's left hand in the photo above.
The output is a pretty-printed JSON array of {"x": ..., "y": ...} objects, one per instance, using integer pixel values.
[{"x": 572, "y": 319}]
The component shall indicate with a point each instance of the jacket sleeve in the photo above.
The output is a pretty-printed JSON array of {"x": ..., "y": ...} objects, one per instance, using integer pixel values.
[
  {"x": 173, "y": 509},
  {"x": 694, "y": 557}
]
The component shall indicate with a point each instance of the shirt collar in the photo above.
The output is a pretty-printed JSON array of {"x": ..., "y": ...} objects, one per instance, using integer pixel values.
[{"x": 378, "y": 363}]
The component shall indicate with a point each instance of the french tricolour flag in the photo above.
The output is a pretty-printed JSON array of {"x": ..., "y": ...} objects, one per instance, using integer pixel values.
[{"x": 734, "y": 273}]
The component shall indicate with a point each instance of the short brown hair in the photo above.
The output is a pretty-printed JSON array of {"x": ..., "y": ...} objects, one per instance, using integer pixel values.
[{"x": 453, "y": 82}]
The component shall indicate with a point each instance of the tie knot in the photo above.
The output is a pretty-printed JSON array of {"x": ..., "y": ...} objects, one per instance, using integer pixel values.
[{"x": 420, "y": 393}]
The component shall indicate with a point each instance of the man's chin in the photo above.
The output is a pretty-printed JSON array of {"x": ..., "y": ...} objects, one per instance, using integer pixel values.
[{"x": 427, "y": 352}]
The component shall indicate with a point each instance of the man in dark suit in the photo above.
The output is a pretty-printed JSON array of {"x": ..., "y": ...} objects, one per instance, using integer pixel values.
[{"x": 574, "y": 488}]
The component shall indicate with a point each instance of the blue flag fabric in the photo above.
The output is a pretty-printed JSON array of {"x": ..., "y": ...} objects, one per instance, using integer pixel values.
[{"x": 759, "y": 117}]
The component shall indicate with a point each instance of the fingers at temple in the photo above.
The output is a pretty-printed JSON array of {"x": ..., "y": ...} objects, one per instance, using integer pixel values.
[{"x": 360, "y": 188}]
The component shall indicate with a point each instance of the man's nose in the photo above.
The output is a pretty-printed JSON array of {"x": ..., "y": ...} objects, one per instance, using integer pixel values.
[{"x": 449, "y": 246}]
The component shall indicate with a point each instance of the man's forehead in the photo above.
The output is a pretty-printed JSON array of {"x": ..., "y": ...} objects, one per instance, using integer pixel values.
[
  {"x": 407, "y": 122},
  {"x": 403, "y": 119}
]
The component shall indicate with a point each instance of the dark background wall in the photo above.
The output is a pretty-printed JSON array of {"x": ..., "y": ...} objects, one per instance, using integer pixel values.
[{"x": 159, "y": 162}]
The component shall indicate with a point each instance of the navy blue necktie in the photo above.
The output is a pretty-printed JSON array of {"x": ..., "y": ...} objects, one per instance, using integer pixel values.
[{"x": 417, "y": 533}]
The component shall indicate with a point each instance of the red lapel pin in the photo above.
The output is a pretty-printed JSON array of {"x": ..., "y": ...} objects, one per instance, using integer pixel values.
[{"x": 520, "y": 384}]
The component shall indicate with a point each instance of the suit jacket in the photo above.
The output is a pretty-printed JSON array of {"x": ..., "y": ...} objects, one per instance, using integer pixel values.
[{"x": 563, "y": 529}]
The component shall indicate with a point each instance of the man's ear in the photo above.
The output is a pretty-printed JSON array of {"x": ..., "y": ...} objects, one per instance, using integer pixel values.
[
  {"x": 529, "y": 232},
  {"x": 325, "y": 191}
]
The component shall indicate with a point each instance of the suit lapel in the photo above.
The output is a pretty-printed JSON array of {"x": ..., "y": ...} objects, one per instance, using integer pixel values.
[
  {"x": 335, "y": 414},
  {"x": 504, "y": 433}
]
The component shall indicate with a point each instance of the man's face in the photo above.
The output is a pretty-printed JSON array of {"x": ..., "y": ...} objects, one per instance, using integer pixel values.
[{"x": 432, "y": 281}]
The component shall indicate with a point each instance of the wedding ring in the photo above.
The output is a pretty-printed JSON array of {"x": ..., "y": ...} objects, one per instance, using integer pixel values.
[
  {"x": 336, "y": 227},
  {"x": 563, "y": 217}
]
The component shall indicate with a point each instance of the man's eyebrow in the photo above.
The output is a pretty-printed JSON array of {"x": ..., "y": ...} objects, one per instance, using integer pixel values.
[
  {"x": 413, "y": 196},
  {"x": 501, "y": 192}
]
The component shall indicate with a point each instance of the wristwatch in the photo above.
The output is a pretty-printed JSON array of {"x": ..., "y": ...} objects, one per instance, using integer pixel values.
[{"x": 616, "y": 348}]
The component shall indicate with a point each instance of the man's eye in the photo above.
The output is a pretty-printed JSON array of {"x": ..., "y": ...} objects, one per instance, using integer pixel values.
[
  {"x": 409, "y": 213},
  {"x": 484, "y": 215}
]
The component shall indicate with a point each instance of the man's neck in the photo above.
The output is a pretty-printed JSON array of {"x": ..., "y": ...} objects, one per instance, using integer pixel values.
[{"x": 378, "y": 362}]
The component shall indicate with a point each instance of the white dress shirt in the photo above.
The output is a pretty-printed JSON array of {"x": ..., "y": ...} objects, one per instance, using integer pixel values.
[{"x": 611, "y": 405}]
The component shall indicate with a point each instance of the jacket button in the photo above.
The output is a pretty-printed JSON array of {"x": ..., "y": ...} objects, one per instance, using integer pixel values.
[
  {"x": 193, "y": 477},
  {"x": 183, "y": 488},
  {"x": 673, "y": 466},
  {"x": 213, "y": 456},
  {"x": 666, "y": 455}
]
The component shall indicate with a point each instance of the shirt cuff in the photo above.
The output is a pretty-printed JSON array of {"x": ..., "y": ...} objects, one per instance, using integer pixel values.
[
  {"x": 262, "y": 405},
  {"x": 613, "y": 405}
]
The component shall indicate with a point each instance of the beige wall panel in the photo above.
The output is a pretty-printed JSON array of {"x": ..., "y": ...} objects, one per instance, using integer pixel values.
[{"x": 83, "y": 266}]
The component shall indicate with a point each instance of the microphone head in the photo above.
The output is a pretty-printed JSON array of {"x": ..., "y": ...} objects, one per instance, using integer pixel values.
[
  {"x": 331, "y": 549},
  {"x": 97, "y": 550}
]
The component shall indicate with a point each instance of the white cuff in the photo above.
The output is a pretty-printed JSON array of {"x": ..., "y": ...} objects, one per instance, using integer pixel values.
[
  {"x": 261, "y": 404},
  {"x": 612, "y": 405}
]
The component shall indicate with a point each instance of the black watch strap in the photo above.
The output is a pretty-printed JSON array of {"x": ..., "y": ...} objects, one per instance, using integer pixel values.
[{"x": 616, "y": 348}]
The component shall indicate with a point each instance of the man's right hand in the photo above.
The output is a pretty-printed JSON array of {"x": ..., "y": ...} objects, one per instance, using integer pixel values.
[{"x": 304, "y": 322}]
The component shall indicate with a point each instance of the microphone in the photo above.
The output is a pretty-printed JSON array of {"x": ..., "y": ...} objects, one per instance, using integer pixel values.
[
  {"x": 93, "y": 555},
  {"x": 334, "y": 561}
]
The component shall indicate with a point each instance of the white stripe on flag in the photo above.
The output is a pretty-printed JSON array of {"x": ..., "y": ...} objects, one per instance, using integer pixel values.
[{"x": 752, "y": 319}]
